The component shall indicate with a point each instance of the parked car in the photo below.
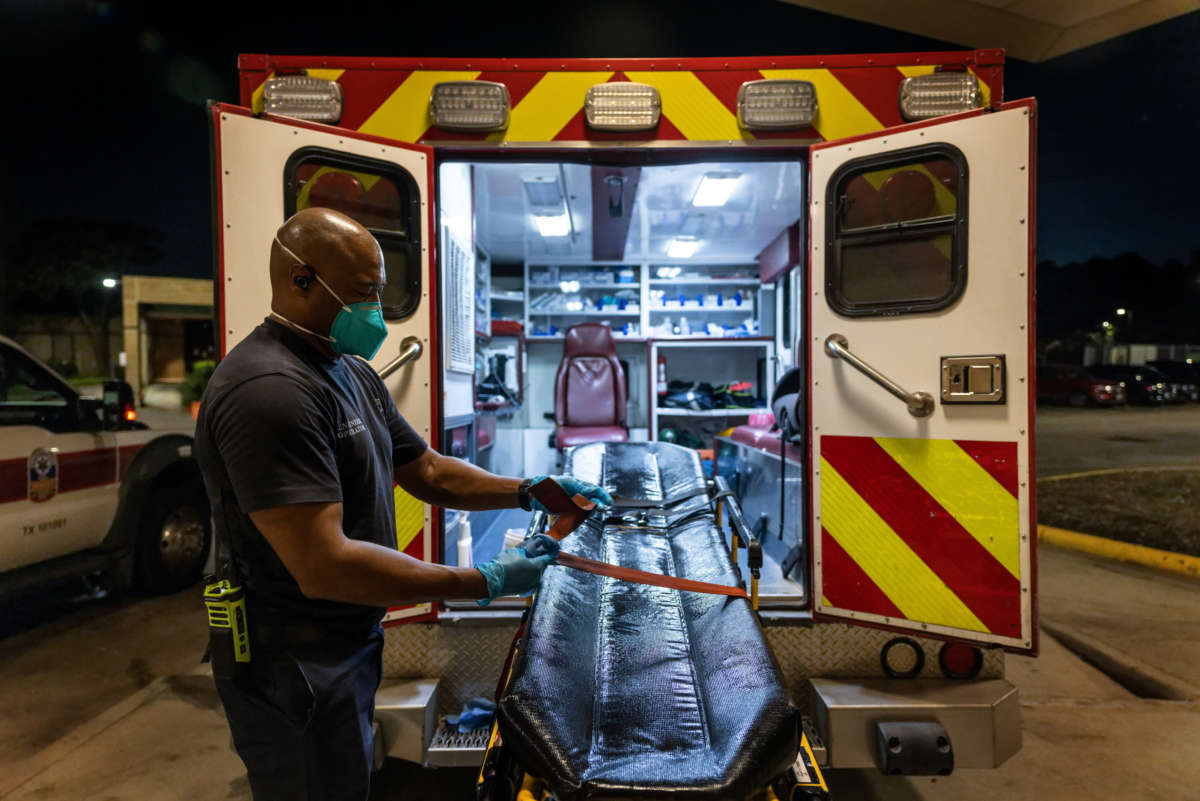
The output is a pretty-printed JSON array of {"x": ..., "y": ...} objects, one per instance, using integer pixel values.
[
  {"x": 1143, "y": 384},
  {"x": 1185, "y": 377},
  {"x": 1073, "y": 385},
  {"x": 88, "y": 490}
]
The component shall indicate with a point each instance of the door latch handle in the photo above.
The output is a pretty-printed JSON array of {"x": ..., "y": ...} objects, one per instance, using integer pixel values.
[
  {"x": 920, "y": 404},
  {"x": 410, "y": 351}
]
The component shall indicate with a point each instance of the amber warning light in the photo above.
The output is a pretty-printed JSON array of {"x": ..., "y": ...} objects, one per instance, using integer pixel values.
[{"x": 130, "y": 414}]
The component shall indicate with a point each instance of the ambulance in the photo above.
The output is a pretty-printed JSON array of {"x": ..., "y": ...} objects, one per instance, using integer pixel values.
[{"x": 813, "y": 275}]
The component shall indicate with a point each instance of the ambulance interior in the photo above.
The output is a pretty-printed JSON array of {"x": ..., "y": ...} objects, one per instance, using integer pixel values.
[{"x": 666, "y": 256}]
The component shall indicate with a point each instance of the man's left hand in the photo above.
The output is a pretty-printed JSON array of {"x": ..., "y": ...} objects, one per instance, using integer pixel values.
[{"x": 573, "y": 486}]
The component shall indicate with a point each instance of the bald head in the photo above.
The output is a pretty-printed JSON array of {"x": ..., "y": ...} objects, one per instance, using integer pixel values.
[
  {"x": 326, "y": 243},
  {"x": 327, "y": 240}
]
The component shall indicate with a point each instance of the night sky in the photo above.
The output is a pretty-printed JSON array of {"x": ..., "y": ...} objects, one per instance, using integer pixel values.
[{"x": 110, "y": 116}]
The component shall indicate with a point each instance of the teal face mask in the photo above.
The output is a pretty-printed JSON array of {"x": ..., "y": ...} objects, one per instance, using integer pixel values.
[{"x": 357, "y": 330}]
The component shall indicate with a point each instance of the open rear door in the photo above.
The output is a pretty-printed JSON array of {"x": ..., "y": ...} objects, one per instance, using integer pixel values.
[
  {"x": 921, "y": 369},
  {"x": 265, "y": 169}
]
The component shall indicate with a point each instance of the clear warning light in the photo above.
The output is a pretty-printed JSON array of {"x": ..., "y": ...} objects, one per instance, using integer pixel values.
[
  {"x": 622, "y": 106},
  {"x": 470, "y": 106},
  {"x": 775, "y": 105},
  {"x": 304, "y": 98},
  {"x": 938, "y": 93}
]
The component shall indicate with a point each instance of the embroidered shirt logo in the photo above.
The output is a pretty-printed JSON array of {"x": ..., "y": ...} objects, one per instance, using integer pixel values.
[{"x": 350, "y": 428}]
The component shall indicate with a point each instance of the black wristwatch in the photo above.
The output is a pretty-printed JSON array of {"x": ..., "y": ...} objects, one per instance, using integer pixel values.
[{"x": 523, "y": 497}]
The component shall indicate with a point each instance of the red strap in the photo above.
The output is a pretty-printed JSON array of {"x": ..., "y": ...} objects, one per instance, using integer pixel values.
[
  {"x": 571, "y": 511},
  {"x": 643, "y": 577},
  {"x": 571, "y": 514}
]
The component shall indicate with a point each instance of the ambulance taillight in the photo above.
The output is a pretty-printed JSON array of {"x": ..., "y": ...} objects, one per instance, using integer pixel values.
[
  {"x": 622, "y": 106},
  {"x": 469, "y": 106},
  {"x": 303, "y": 97},
  {"x": 776, "y": 104},
  {"x": 925, "y": 96}
]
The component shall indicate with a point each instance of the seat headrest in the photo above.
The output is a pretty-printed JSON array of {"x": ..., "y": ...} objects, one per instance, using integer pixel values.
[{"x": 589, "y": 339}]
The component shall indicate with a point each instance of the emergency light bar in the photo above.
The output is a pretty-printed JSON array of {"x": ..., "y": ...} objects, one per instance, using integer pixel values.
[
  {"x": 304, "y": 98},
  {"x": 938, "y": 93},
  {"x": 778, "y": 104},
  {"x": 470, "y": 106},
  {"x": 622, "y": 107}
]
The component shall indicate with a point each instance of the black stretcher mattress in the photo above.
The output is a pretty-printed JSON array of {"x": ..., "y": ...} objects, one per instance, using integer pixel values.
[{"x": 624, "y": 690}]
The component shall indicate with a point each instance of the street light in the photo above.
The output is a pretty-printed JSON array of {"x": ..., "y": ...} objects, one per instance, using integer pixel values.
[
  {"x": 109, "y": 283},
  {"x": 1123, "y": 312}
]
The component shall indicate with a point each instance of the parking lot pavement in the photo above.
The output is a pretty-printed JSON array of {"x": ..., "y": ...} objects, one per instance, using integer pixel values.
[
  {"x": 166, "y": 419},
  {"x": 86, "y": 656},
  {"x": 1074, "y": 440}
]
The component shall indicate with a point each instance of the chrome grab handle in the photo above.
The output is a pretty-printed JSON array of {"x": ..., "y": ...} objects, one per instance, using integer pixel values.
[
  {"x": 920, "y": 404},
  {"x": 410, "y": 350}
]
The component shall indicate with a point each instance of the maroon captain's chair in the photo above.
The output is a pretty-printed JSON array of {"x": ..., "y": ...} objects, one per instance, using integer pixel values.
[{"x": 589, "y": 389}]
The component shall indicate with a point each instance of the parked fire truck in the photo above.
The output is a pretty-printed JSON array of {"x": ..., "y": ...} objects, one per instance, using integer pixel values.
[{"x": 848, "y": 236}]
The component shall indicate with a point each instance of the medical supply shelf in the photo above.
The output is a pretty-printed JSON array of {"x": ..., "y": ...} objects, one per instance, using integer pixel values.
[
  {"x": 640, "y": 294},
  {"x": 739, "y": 411},
  {"x": 705, "y": 281},
  {"x": 585, "y": 313}
]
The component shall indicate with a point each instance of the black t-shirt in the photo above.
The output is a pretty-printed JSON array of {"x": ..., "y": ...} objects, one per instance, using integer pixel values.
[{"x": 282, "y": 423}]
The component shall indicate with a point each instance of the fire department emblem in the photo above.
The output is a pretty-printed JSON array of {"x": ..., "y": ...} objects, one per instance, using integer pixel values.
[{"x": 43, "y": 475}]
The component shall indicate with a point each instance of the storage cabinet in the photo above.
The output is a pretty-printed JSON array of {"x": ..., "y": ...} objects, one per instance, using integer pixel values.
[{"x": 717, "y": 363}]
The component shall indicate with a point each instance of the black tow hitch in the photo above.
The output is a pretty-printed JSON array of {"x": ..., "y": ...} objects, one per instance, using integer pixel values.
[{"x": 913, "y": 748}]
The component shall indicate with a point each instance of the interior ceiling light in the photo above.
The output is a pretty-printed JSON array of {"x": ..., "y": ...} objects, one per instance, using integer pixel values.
[
  {"x": 715, "y": 188},
  {"x": 469, "y": 106},
  {"x": 622, "y": 106},
  {"x": 777, "y": 104},
  {"x": 555, "y": 226},
  {"x": 543, "y": 192},
  {"x": 938, "y": 93},
  {"x": 683, "y": 247},
  {"x": 304, "y": 98}
]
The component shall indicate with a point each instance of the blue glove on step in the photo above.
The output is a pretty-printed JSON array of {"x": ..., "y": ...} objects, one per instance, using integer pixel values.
[
  {"x": 573, "y": 487},
  {"x": 518, "y": 570}
]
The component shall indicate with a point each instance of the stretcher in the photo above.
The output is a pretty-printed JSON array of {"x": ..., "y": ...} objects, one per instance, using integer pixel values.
[{"x": 622, "y": 689}]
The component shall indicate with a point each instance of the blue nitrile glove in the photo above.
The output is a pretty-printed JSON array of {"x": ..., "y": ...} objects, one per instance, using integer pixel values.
[
  {"x": 573, "y": 487},
  {"x": 518, "y": 570},
  {"x": 476, "y": 714}
]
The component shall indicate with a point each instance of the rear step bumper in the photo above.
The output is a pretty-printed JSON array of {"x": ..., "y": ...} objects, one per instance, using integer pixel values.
[{"x": 981, "y": 718}]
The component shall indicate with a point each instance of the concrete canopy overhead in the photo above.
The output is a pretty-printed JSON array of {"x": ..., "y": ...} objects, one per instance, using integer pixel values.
[{"x": 1031, "y": 30}]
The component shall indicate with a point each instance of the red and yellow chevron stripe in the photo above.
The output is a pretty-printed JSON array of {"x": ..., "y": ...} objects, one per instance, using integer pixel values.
[
  {"x": 922, "y": 530},
  {"x": 390, "y": 97}
]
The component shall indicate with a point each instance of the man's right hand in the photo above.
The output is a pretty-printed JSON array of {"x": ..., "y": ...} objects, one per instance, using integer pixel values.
[{"x": 518, "y": 570}]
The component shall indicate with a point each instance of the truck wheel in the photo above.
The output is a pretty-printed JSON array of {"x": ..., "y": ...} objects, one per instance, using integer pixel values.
[
  {"x": 1078, "y": 400},
  {"x": 174, "y": 539}
]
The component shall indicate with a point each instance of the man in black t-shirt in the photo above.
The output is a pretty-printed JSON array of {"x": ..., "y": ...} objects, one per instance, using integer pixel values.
[{"x": 300, "y": 444}]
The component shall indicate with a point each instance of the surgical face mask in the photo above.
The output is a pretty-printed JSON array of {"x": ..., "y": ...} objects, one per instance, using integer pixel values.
[{"x": 358, "y": 329}]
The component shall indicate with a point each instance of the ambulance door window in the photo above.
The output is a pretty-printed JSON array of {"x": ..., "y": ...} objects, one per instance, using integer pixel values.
[
  {"x": 898, "y": 242},
  {"x": 378, "y": 194}
]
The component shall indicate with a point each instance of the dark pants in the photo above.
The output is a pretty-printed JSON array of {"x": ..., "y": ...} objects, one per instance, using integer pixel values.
[{"x": 301, "y": 720}]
